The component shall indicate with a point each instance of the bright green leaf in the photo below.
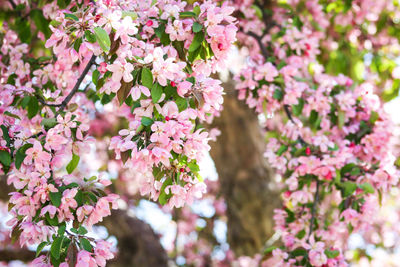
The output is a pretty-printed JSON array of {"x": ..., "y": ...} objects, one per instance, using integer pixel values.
[
  {"x": 197, "y": 40},
  {"x": 55, "y": 198},
  {"x": 147, "y": 78},
  {"x": 156, "y": 92},
  {"x": 102, "y": 39},
  {"x": 197, "y": 27},
  {"x": 73, "y": 163}
]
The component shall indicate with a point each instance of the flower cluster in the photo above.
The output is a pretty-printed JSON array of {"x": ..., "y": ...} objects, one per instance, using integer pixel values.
[{"x": 332, "y": 142}]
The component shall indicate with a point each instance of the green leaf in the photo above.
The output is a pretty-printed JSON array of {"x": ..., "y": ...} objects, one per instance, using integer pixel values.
[
  {"x": 49, "y": 122},
  {"x": 282, "y": 150},
  {"x": 63, "y": 3},
  {"x": 82, "y": 230},
  {"x": 355, "y": 171},
  {"x": 55, "y": 248},
  {"x": 40, "y": 247},
  {"x": 341, "y": 118},
  {"x": 331, "y": 253},
  {"x": 348, "y": 188},
  {"x": 79, "y": 198},
  {"x": 269, "y": 249},
  {"x": 51, "y": 221},
  {"x": 197, "y": 27},
  {"x": 42, "y": 24},
  {"x": 182, "y": 103},
  {"x": 147, "y": 78},
  {"x": 163, "y": 198},
  {"x": 367, "y": 188},
  {"x": 71, "y": 16},
  {"x": 55, "y": 198},
  {"x": 73, "y": 163},
  {"x": 102, "y": 39},
  {"x": 23, "y": 29},
  {"x": 258, "y": 11},
  {"x": 131, "y": 14},
  {"x": 86, "y": 244},
  {"x": 156, "y": 92},
  {"x": 193, "y": 166},
  {"x": 297, "y": 22},
  {"x": 187, "y": 14},
  {"x": 297, "y": 109},
  {"x": 6, "y": 136},
  {"x": 5, "y": 158},
  {"x": 95, "y": 76},
  {"x": 197, "y": 40},
  {"x": 20, "y": 155},
  {"x": 90, "y": 37},
  {"x": 61, "y": 229},
  {"x": 33, "y": 107},
  {"x": 278, "y": 94},
  {"x": 146, "y": 121},
  {"x": 197, "y": 10}
]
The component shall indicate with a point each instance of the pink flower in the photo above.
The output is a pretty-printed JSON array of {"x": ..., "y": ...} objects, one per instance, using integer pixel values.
[
  {"x": 37, "y": 155},
  {"x": 121, "y": 70},
  {"x": 183, "y": 88},
  {"x": 102, "y": 252},
  {"x": 54, "y": 141},
  {"x": 85, "y": 259},
  {"x": 102, "y": 68},
  {"x": 65, "y": 124},
  {"x": 137, "y": 91}
]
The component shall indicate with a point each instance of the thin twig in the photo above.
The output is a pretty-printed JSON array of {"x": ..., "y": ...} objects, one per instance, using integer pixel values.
[
  {"x": 313, "y": 210},
  {"x": 14, "y": 6},
  {"x": 45, "y": 103},
  {"x": 289, "y": 115},
  {"x": 78, "y": 83},
  {"x": 258, "y": 38}
]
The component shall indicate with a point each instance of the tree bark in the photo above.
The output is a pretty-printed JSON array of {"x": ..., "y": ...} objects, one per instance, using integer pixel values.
[
  {"x": 138, "y": 245},
  {"x": 246, "y": 180}
]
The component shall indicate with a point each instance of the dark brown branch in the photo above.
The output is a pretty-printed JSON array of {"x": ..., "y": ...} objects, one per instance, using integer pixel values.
[
  {"x": 43, "y": 102},
  {"x": 78, "y": 83},
  {"x": 14, "y": 6},
  {"x": 258, "y": 38},
  {"x": 24, "y": 255},
  {"x": 289, "y": 115}
]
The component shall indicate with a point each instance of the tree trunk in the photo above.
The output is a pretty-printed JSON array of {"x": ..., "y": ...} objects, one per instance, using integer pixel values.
[
  {"x": 138, "y": 245},
  {"x": 246, "y": 180}
]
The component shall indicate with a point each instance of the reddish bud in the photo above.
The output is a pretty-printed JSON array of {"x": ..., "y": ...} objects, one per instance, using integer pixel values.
[
  {"x": 96, "y": 18},
  {"x": 173, "y": 84},
  {"x": 352, "y": 144},
  {"x": 308, "y": 47},
  {"x": 182, "y": 169},
  {"x": 149, "y": 23},
  {"x": 102, "y": 68},
  {"x": 167, "y": 118},
  {"x": 308, "y": 151},
  {"x": 328, "y": 176},
  {"x": 220, "y": 46},
  {"x": 287, "y": 194}
]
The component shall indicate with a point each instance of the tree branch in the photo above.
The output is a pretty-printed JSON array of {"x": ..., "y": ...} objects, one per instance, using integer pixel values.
[
  {"x": 289, "y": 115},
  {"x": 78, "y": 83},
  {"x": 14, "y": 6},
  {"x": 24, "y": 255},
  {"x": 258, "y": 38}
]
